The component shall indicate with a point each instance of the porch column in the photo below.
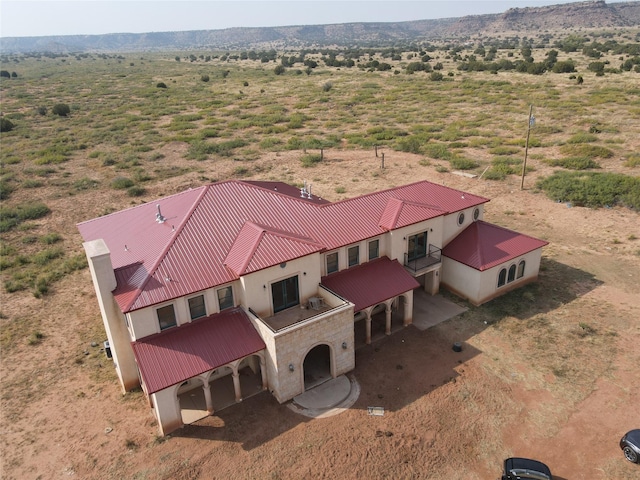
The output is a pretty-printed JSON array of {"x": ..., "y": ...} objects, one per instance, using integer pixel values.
[
  {"x": 368, "y": 324},
  {"x": 207, "y": 397},
  {"x": 236, "y": 384},
  {"x": 408, "y": 308},
  {"x": 263, "y": 372},
  {"x": 387, "y": 310}
]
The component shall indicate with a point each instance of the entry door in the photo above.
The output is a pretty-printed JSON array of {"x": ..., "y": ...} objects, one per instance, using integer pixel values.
[
  {"x": 417, "y": 247},
  {"x": 285, "y": 294}
]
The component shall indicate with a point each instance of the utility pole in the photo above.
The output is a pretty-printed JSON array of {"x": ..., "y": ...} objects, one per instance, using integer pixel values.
[{"x": 532, "y": 122}]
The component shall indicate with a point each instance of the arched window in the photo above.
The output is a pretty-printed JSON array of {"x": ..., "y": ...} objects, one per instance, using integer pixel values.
[
  {"x": 512, "y": 273},
  {"x": 476, "y": 214},
  {"x": 520, "y": 269},
  {"x": 461, "y": 218},
  {"x": 502, "y": 277}
]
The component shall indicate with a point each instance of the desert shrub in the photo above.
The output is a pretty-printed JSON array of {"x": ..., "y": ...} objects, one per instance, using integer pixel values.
[
  {"x": 583, "y": 137},
  {"x": 5, "y": 74},
  {"x": 12, "y": 216},
  {"x": 204, "y": 78},
  {"x": 633, "y": 161},
  {"x": 279, "y": 69},
  {"x": 136, "y": 191},
  {"x": 436, "y": 76},
  {"x": 461, "y": 163},
  {"x": 41, "y": 110},
  {"x": 6, "y": 125},
  {"x": 438, "y": 150},
  {"x": 504, "y": 150},
  {"x": 5, "y": 189},
  {"x": 311, "y": 160},
  {"x": 327, "y": 86},
  {"x": 593, "y": 189},
  {"x": 409, "y": 144},
  {"x": 586, "y": 150},
  {"x": 120, "y": 183},
  {"x": 51, "y": 238},
  {"x": 85, "y": 183},
  {"x": 61, "y": 109},
  {"x": 161, "y": 85},
  {"x": 566, "y": 66},
  {"x": 46, "y": 256},
  {"x": 574, "y": 163}
]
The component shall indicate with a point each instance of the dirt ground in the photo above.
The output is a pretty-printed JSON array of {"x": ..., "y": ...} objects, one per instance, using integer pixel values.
[{"x": 553, "y": 377}]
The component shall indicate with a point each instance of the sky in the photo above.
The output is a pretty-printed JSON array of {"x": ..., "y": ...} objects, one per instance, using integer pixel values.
[{"x": 25, "y": 18}]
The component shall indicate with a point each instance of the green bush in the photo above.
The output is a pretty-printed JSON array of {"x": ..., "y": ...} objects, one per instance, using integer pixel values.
[
  {"x": 311, "y": 159},
  {"x": 593, "y": 189},
  {"x": 583, "y": 137},
  {"x": 585, "y": 150},
  {"x": 120, "y": 183},
  {"x": 6, "y": 125},
  {"x": 51, "y": 238},
  {"x": 136, "y": 191},
  {"x": 61, "y": 109},
  {"x": 461, "y": 163},
  {"x": 574, "y": 163},
  {"x": 10, "y": 217},
  {"x": 204, "y": 78},
  {"x": 438, "y": 150},
  {"x": 161, "y": 85},
  {"x": 633, "y": 161}
]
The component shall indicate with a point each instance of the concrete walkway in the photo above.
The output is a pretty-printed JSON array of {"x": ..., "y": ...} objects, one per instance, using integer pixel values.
[
  {"x": 430, "y": 310},
  {"x": 327, "y": 399}
]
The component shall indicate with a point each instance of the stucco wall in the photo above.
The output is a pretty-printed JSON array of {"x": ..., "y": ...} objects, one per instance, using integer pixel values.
[
  {"x": 167, "y": 410},
  {"x": 480, "y": 287},
  {"x": 399, "y": 239},
  {"x": 451, "y": 227}
]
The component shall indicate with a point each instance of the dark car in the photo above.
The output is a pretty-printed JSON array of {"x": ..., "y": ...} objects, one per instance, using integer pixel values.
[
  {"x": 525, "y": 469},
  {"x": 630, "y": 445}
]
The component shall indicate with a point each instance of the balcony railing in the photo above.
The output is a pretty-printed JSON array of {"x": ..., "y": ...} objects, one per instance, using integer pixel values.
[{"x": 433, "y": 257}]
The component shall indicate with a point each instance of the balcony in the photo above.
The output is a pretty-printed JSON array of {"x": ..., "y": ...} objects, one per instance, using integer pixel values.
[
  {"x": 315, "y": 308},
  {"x": 423, "y": 264}
]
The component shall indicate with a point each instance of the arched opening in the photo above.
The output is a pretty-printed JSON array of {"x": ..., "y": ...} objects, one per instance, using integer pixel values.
[
  {"x": 317, "y": 366},
  {"x": 193, "y": 405}
]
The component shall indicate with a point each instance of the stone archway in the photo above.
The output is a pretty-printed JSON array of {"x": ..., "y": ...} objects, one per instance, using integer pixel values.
[{"x": 317, "y": 366}]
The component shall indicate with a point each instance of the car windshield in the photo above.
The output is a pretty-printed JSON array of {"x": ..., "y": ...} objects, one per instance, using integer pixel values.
[{"x": 525, "y": 473}]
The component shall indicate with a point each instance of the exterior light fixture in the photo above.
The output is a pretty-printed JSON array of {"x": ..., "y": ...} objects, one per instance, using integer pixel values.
[
  {"x": 344, "y": 345},
  {"x": 291, "y": 367}
]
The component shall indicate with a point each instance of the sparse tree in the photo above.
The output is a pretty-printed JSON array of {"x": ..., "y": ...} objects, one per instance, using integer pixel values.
[{"x": 279, "y": 70}]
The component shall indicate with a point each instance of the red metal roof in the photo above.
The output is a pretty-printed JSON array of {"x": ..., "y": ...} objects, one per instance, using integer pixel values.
[
  {"x": 371, "y": 283},
  {"x": 255, "y": 246},
  {"x": 156, "y": 262},
  {"x": 177, "y": 354},
  {"x": 483, "y": 245}
]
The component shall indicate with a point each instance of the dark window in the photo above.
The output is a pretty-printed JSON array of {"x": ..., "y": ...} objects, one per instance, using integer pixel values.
[
  {"x": 476, "y": 213},
  {"x": 502, "y": 277},
  {"x": 332, "y": 262},
  {"x": 461, "y": 219},
  {"x": 417, "y": 247},
  {"x": 285, "y": 294},
  {"x": 512, "y": 273},
  {"x": 520, "y": 269},
  {"x": 374, "y": 249},
  {"x": 196, "y": 307},
  {"x": 354, "y": 256},
  {"x": 166, "y": 317},
  {"x": 225, "y": 298}
]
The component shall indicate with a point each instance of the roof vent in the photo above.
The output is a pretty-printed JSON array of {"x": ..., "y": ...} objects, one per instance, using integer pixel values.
[{"x": 159, "y": 217}]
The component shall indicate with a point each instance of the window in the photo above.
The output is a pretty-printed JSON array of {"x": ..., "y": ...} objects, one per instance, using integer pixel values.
[
  {"x": 502, "y": 277},
  {"x": 461, "y": 218},
  {"x": 476, "y": 214},
  {"x": 520, "y": 270},
  {"x": 196, "y": 307},
  {"x": 512, "y": 273},
  {"x": 285, "y": 294},
  {"x": 417, "y": 247},
  {"x": 166, "y": 317},
  {"x": 354, "y": 256},
  {"x": 374, "y": 249},
  {"x": 332, "y": 262},
  {"x": 225, "y": 298}
]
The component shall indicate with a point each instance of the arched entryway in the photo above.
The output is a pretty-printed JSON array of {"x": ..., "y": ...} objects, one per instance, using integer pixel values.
[
  {"x": 317, "y": 366},
  {"x": 192, "y": 401}
]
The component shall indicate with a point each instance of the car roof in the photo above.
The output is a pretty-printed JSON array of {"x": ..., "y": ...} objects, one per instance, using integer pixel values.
[{"x": 634, "y": 435}]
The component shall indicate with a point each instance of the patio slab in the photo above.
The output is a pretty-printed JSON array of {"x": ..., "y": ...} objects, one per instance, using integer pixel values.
[{"x": 430, "y": 310}]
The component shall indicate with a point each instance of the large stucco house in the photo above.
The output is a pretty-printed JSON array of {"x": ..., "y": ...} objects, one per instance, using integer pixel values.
[{"x": 236, "y": 282}]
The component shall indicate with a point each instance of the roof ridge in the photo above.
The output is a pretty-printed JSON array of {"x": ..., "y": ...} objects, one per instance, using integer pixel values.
[{"x": 165, "y": 251}]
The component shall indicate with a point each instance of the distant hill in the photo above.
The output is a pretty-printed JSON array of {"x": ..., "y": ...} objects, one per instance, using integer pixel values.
[{"x": 589, "y": 14}]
